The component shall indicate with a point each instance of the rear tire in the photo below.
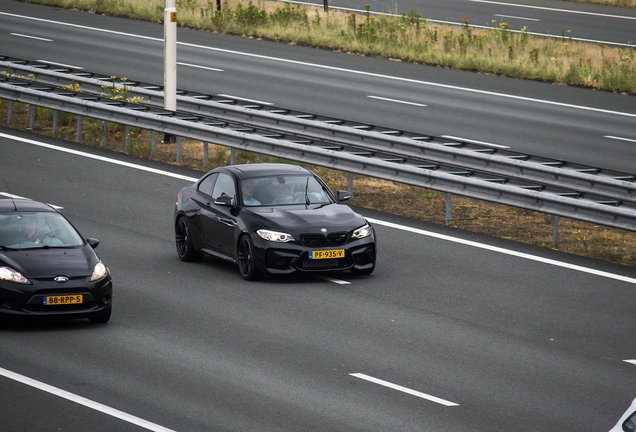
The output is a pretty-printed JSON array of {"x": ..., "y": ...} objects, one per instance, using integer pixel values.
[
  {"x": 183, "y": 241},
  {"x": 247, "y": 260}
]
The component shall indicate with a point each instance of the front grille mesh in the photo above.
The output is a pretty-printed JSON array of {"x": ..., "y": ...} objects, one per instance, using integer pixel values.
[{"x": 320, "y": 240}]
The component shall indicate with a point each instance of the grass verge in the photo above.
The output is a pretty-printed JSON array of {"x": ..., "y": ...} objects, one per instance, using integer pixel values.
[
  {"x": 575, "y": 237},
  {"x": 409, "y": 37}
]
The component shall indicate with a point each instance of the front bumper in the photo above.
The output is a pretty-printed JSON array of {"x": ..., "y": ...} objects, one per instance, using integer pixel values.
[
  {"x": 28, "y": 300},
  {"x": 287, "y": 258}
]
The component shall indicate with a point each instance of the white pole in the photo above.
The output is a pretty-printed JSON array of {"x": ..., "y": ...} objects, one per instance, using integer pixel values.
[{"x": 170, "y": 56}]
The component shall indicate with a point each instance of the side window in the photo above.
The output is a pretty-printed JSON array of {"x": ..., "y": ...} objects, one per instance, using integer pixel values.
[
  {"x": 207, "y": 183},
  {"x": 224, "y": 186}
]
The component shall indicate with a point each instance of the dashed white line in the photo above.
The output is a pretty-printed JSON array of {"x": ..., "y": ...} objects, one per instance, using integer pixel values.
[
  {"x": 475, "y": 142},
  {"x": 620, "y": 138},
  {"x": 630, "y": 361},
  {"x": 336, "y": 281},
  {"x": 83, "y": 401},
  {"x": 59, "y": 64},
  {"x": 200, "y": 67},
  {"x": 31, "y": 37},
  {"x": 516, "y": 17},
  {"x": 246, "y": 100},
  {"x": 8, "y": 195},
  {"x": 397, "y": 101},
  {"x": 555, "y": 9},
  {"x": 404, "y": 389}
]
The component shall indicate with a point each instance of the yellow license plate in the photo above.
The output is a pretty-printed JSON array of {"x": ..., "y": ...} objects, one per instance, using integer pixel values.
[
  {"x": 63, "y": 300},
  {"x": 338, "y": 253}
]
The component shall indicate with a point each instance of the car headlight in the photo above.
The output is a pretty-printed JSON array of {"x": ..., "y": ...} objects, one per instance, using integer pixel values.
[
  {"x": 362, "y": 232},
  {"x": 275, "y": 236},
  {"x": 8, "y": 274},
  {"x": 98, "y": 272}
]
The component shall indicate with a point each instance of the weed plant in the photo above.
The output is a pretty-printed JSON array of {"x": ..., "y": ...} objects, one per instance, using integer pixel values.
[{"x": 408, "y": 37}]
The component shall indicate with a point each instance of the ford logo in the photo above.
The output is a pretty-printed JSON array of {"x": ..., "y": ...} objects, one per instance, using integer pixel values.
[
  {"x": 61, "y": 279},
  {"x": 323, "y": 230}
]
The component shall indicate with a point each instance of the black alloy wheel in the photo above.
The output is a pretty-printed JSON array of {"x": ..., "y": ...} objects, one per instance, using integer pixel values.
[
  {"x": 183, "y": 241},
  {"x": 246, "y": 259}
]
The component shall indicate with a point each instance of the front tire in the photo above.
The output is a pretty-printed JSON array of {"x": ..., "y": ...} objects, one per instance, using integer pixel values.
[
  {"x": 247, "y": 259},
  {"x": 101, "y": 318},
  {"x": 183, "y": 241}
]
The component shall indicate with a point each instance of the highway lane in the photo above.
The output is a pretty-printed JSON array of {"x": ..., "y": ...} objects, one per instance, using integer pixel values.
[
  {"x": 581, "y": 21},
  {"x": 560, "y": 122},
  {"x": 193, "y": 347}
]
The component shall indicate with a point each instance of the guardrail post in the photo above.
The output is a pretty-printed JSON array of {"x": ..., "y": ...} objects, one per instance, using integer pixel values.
[
  {"x": 127, "y": 138},
  {"x": 325, "y": 5},
  {"x": 78, "y": 136},
  {"x": 10, "y": 112},
  {"x": 350, "y": 185},
  {"x": 260, "y": 158},
  {"x": 179, "y": 158},
  {"x": 233, "y": 156},
  {"x": 104, "y": 133},
  {"x": 448, "y": 207},
  {"x": 54, "y": 122},
  {"x": 218, "y": 5},
  {"x": 555, "y": 230},
  {"x": 153, "y": 143},
  {"x": 205, "y": 155},
  {"x": 32, "y": 118}
]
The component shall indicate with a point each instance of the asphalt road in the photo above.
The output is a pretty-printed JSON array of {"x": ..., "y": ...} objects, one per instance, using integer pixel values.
[
  {"x": 581, "y": 21},
  {"x": 573, "y": 124},
  {"x": 512, "y": 341}
]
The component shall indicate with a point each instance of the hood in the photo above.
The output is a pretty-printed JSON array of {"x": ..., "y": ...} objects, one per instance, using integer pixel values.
[
  {"x": 48, "y": 263},
  {"x": 333, "y": 217}
]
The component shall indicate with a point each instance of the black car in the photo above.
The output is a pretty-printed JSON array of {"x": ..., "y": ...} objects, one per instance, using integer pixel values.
[
  {"x": 46, "y": 266},
  {"x": 272, "y": 219}
]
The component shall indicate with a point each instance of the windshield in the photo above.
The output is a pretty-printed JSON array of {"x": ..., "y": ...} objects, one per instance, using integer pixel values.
[
  {"x": 30, "y": 230},
  {"x": 284, "y": 190}
]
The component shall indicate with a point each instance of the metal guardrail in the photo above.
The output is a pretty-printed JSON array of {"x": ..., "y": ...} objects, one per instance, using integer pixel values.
[
  {"x": 403, "y": 147},
  {"x": 561, "y": 202}
]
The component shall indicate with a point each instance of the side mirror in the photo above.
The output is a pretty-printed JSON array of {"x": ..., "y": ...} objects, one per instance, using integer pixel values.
[
  {"x": 224, "y": 201},
  {"x": 343, "y": 195},
  {"x": 92, "y": 242}
]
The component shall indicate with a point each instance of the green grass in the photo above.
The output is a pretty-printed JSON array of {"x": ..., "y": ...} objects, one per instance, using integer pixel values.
[{"x": 409, "y": 38}]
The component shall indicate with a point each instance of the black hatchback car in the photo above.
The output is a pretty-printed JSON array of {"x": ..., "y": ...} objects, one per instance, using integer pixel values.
[
  {"x": 272, "y": 219},
  {"x": 47, "y": 268}
]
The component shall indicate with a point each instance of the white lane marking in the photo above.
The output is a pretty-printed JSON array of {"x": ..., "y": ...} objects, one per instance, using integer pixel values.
[
  {"x": 620, "y": 138},
  {"x": 372, "y": 220},
  {"x": 504, "y": 251},
  {"x": 555, "y": 9},
  {"x": 475, "y": 142},
  {"x": 59, "y": 64},
  {"x": 336, "y": 281},
  {"x": 83, "y": 401},
  {"x": 200, "y": 67},
  {"x": 630, "y": 361},
  {"x": 99, "y": 158},
  {"x": 31, "y": 37},
  {"x": 246, "y": 100},
  {"x": 29, "y": 199},
  {"x": 516, "y": 17},
  {"x": 375, "y": 75},
  {"x": 396, "y": 100},
  {"x": 404, "y": 389}
]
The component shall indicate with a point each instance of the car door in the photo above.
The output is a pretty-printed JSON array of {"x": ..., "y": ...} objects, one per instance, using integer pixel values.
[
  {"x": 202, "y": 196},
  {"x": 219, "y": 222}
]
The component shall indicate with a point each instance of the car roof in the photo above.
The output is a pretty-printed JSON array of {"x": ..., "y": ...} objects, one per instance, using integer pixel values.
[
  {"x": 263, "y": 169},
  {"x": 8, "y": 205}
]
